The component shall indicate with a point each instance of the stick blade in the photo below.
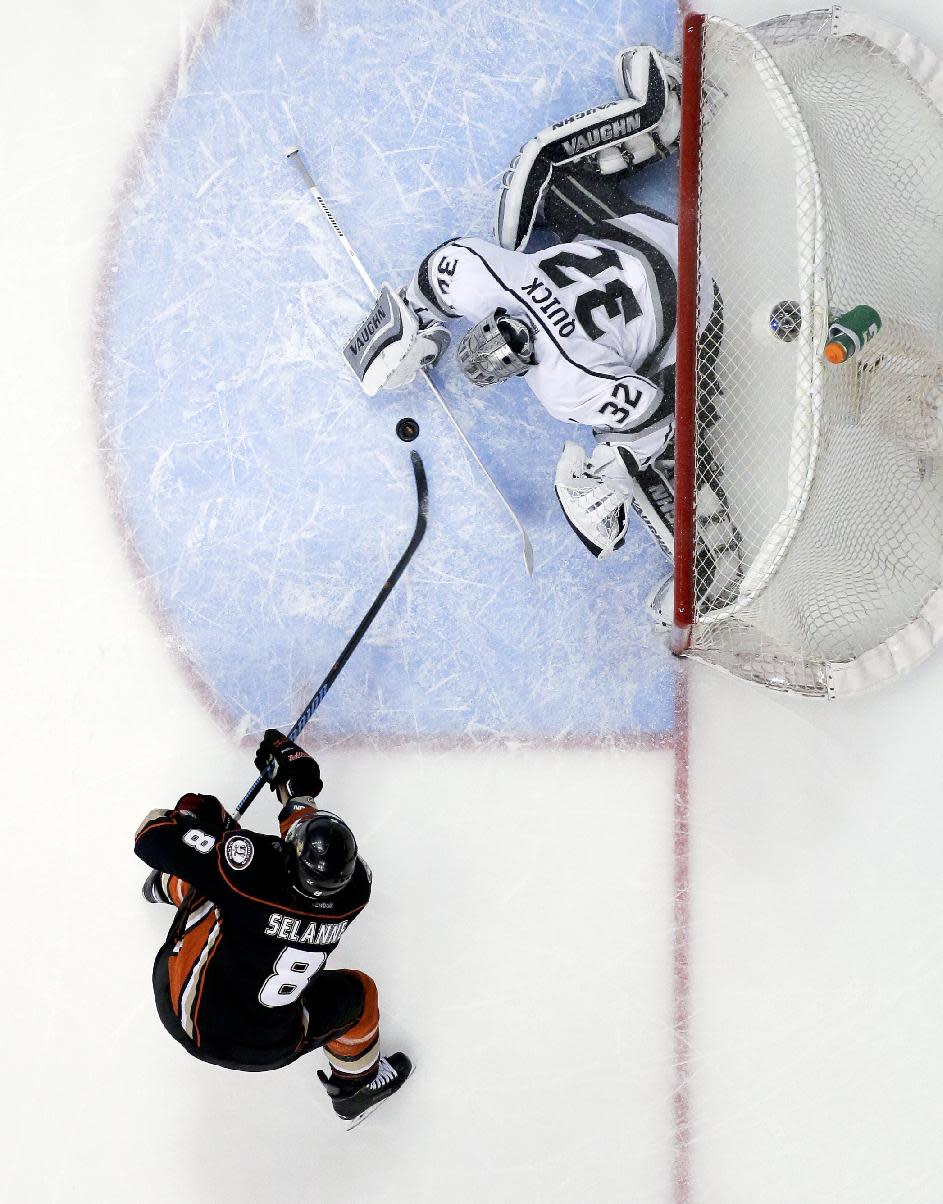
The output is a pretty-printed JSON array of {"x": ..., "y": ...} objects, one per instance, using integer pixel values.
[{"x": 528, "y": 554}]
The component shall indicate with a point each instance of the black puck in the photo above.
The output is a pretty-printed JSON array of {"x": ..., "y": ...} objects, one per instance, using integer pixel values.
[{"x": 407, "y": 429}]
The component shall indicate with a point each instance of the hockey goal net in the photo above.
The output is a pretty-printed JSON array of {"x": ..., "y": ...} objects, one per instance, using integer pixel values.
[{"x": 811, "y": 177}]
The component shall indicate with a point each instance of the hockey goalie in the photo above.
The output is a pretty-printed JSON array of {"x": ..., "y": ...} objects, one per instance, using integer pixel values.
[{"x": 589, "y": 322}]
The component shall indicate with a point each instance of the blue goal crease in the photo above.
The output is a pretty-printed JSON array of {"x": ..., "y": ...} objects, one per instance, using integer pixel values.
[{"x": 266, "y": 495}]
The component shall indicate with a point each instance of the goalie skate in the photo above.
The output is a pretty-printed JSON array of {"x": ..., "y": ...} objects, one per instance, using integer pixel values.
[
  {"x": 661, "y": 603},
  {"x": 154, "y": 888}
]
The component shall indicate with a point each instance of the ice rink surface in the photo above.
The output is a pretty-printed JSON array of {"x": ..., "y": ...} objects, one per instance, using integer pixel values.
[
  {"x": 265, "y": 493},
  {"x": 634, "y": 960}
]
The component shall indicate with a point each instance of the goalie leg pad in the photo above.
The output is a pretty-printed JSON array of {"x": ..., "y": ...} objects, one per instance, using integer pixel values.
[
  {"x": 594, "y": 496},
  {"x": 613, "y": 137},
  {"x": 392, "y": 344},
  {"x": 718, "y": 544},
  {"x": 575, "y": 203},
  {"x": 653, "y": 500},
  {"x": 632, "y": 69}
]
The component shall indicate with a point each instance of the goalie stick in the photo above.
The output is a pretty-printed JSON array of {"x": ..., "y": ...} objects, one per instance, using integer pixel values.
[
  {"x": 296, "y": 157},
  {"x": 422, "y": 498}
]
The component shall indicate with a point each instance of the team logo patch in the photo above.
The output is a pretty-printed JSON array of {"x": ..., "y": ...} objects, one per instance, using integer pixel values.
[{"x": 239, "y": 852}]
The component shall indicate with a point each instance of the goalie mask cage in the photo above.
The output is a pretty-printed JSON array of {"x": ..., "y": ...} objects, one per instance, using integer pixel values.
[{"x": 811, "y": 173}]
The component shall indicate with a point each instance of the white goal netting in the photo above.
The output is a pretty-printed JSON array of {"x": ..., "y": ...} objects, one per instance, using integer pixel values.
[{"x": 821, "y": 186}]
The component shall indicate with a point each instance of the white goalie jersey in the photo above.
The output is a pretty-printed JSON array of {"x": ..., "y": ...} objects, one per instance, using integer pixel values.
[{"x": 603, "y": 311}]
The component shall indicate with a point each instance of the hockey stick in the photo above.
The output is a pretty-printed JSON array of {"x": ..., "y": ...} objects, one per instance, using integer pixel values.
[
  {"x": 422, "y": 497},
  {"x": 296, "y": 157}
]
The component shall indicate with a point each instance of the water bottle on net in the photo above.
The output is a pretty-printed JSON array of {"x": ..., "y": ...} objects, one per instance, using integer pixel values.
[{"x": 848, "y": 333}]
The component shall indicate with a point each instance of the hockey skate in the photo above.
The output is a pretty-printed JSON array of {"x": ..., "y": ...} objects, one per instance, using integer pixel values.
[
  {"x": 354, "y": 1104},
  {"x": 661, "y": 603},
  {"x": 153, "y": 888}
]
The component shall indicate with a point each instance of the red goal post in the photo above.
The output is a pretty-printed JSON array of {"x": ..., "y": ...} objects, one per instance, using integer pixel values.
[
  {"x": 686, "y": 367},
  {"x": 811, "y": 182}
]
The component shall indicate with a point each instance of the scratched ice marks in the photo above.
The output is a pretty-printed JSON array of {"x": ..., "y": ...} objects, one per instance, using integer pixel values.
[{"x": 266, "y": 496}]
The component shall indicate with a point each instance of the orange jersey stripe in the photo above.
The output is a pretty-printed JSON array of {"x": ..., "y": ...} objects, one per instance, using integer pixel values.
[
  {"x": 177, "y": 889},
  {"x": 182, "y": 960},
  {"x": 300, "y": 813},
  {"x": 161, "y": 822},
  {"x": 362, "y": 1035}
]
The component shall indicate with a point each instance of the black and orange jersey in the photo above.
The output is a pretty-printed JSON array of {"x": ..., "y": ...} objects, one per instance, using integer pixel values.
[{"x": 245, "y": 942}]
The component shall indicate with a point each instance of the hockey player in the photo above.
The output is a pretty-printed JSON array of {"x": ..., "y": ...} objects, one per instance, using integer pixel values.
[
  {"x": 240, "y": 980},
  {"x": 589, "y": 322}
]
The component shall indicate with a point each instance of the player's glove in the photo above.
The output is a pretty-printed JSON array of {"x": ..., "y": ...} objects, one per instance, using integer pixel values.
[
  {"x": 206, "y": 810},
  {"x": 288, "y": 766}
]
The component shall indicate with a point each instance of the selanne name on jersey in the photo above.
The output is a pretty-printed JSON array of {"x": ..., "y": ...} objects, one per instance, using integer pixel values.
[{"x": 302, "y": 932}]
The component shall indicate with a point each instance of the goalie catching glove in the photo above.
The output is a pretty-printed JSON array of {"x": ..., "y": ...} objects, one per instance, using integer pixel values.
[
  {"x": 393, "y": 343},
  {"x": 595, "y": 496}
]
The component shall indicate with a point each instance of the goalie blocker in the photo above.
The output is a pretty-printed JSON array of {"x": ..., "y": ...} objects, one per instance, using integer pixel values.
[{"x": 393, "y": 343}]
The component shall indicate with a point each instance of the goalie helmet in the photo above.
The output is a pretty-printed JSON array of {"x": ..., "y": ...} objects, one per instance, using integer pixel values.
[
  {"x": 325, "y": 853},
  {"x": 496, "y": 348}
]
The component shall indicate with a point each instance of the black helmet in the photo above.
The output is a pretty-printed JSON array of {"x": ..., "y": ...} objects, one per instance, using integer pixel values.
[{"x": 325, "y": 853}]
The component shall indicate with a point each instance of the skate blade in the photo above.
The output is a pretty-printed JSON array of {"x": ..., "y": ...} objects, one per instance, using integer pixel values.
[{"x": 358, "y": 1120}]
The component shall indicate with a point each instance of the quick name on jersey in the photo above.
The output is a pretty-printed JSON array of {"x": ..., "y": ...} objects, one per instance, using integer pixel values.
[{"x": 551, "y": 307}]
